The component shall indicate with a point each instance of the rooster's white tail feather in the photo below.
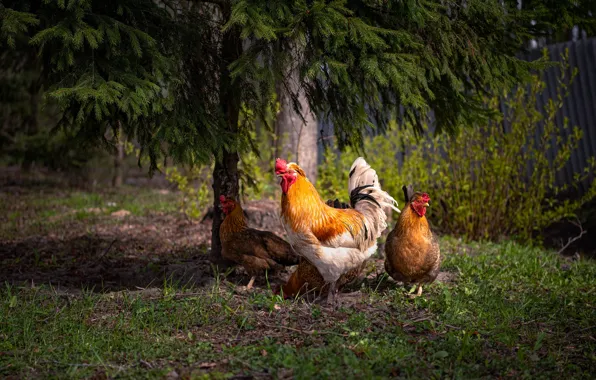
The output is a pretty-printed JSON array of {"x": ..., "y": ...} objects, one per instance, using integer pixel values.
[{"x": 361, "y": 174}]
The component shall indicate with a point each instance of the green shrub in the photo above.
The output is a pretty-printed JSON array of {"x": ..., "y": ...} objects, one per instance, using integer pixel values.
[
  {"x": 484, "y": 182},
  {"x": 195, "y": 194},
  {"x": 257, "y": 153}
]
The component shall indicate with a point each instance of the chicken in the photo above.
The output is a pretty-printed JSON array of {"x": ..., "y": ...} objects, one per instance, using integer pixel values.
[
  {"x": 255, "y": 250},
  {"x": 335, "y": 241},
  {"x": 412, "y": 253},
  {"x": 306, "y": 278}
]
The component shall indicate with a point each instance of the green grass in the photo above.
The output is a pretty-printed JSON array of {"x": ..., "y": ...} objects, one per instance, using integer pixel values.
[
  {"x": 509, "y": 311},
  {"x": 49, "y": 209},
  {"x": 506, "y": 310}
]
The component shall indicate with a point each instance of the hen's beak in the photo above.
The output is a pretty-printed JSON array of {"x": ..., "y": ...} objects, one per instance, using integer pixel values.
[{"x": 426, "y": 204}]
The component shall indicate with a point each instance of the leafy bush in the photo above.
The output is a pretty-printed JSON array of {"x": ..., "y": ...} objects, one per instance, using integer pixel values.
[
  {"x": 195, "y": 195},
  {"x": 485, "y": 182},
  {"x": 256, "y": 155}
]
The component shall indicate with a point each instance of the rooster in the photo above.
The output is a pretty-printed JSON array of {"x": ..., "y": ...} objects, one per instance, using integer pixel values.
[
  {"x": 255, "y": 250},
  {"x": 306, "y": 278},
  {"x": 334, "y": 240},
  {"x": 412, "y": 253}
]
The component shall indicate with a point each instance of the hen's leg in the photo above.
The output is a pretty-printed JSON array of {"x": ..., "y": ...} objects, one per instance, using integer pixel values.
[
  {"x": 250, "y": 283},
  {"x": 419, "y": 292}
]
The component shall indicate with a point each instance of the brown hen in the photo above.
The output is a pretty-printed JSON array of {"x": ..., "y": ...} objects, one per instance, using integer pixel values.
[
  {"x": 412, "y": 253},
  {"x": 257, "y": 251}
]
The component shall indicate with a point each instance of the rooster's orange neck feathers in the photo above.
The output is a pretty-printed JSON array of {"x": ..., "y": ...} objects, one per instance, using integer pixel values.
[
  {"x": 305, "y": 211},
  {"x": 233, "y": 223}
]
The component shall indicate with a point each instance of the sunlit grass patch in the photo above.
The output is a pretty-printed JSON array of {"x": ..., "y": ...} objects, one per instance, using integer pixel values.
[{"x": 509, "y": 310}]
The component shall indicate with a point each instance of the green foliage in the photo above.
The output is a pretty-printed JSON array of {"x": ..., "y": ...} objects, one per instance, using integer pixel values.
[
  {"x": 484, "y": 182},
  {"x": 256, "y": 179},
  {"x": 13, "y": 24},
  {"x": 174, "y": 76},
  {"x": 116, "y": 63},
  {"x": 195, "y": 194},
  {"x": 360, "y": 61},
  {"x": 332, "y": 178},
  {"x": 55, "y": 150}
]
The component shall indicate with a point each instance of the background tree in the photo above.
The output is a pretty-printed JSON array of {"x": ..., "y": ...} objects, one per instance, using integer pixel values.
[
  {"x": 296, "y": 130},
  {"x": 178, "y": 75}
]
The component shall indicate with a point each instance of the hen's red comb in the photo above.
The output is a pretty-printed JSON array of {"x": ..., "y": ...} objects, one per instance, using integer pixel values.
[
  {"x": 281, "y": 165},
  {"x": 222, "y": 198}
]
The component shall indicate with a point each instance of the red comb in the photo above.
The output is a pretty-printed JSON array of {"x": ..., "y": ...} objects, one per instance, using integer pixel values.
[
  {"x": 281, "y": 165},
  {"x": 222, "y": 198}
]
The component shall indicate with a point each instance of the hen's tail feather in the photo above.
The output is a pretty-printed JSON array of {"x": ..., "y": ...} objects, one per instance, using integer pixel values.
[{"x": 408, "y": 192}]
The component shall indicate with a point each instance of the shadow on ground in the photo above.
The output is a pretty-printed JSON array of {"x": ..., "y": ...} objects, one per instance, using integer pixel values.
[
  {"x": 104, "y": 263},
  {"x": 101, "y": 263}
]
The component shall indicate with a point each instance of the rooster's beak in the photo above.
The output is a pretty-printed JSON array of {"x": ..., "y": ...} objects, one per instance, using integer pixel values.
[{"x": 426, "y": 204}]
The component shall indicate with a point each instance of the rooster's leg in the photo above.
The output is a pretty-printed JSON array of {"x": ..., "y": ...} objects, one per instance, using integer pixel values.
[
  {"x": 250, "y": 283},
  {"x": 331, "y": 294}
]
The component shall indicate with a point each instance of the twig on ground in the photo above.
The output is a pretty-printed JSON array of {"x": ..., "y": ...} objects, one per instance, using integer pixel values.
[
  {"x": 105, "y": 252},
  {"x": 178, "y": 295},
  {"x": 428, "y": 319},
  {"x": 570, "y": 241},
  {"x": 118, "y": 367},
  {"x": 415, "y": 321},
  {"x": 580, "y": 330},
  {"x": 308, "y": 332},
  {"x": 52, "y": 316}
]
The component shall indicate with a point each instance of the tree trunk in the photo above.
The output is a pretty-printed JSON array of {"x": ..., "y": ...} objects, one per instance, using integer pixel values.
[
  {"x": 225, "y": 173},
  {"x": 118, "y": 158},
  {"x": 297, "y": 138},
  {"x": 225, "y": 181}
]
